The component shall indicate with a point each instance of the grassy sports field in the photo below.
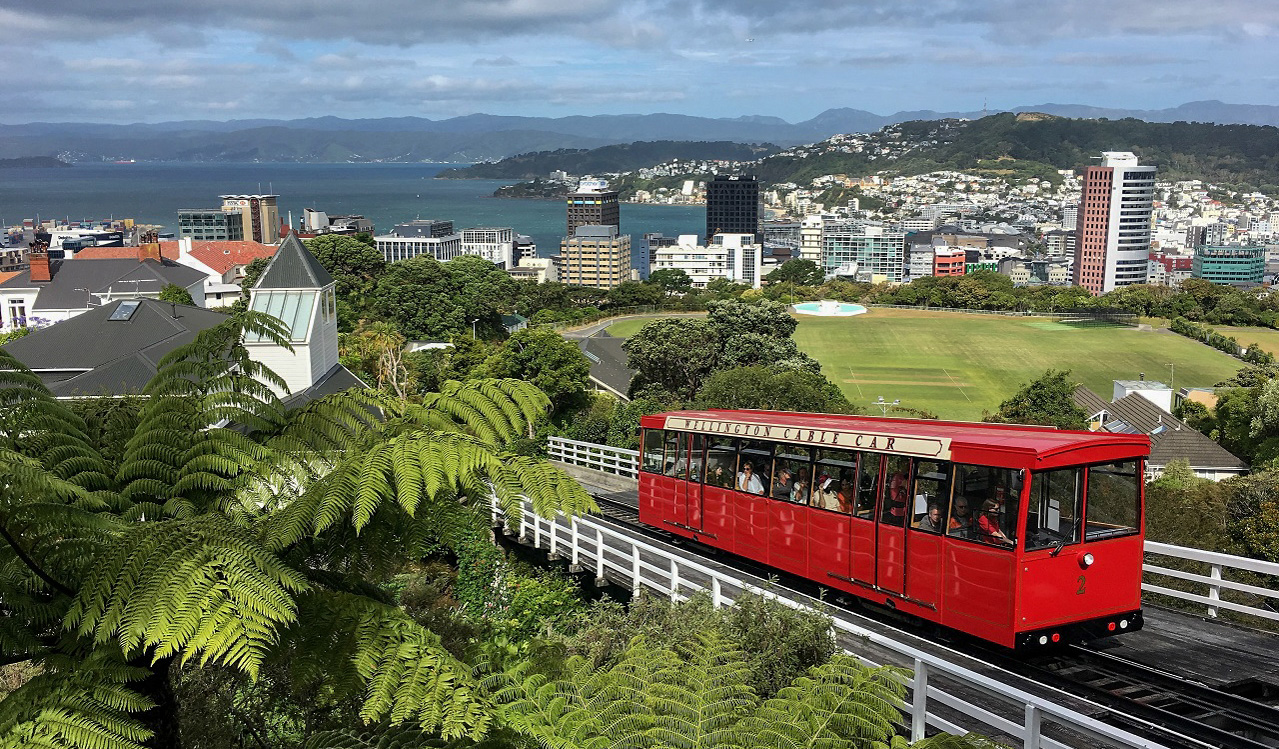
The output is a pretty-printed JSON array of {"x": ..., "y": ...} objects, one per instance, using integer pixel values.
[
  {"x": 1265, "y": 337},
  {"x": 958, "y": 365}
]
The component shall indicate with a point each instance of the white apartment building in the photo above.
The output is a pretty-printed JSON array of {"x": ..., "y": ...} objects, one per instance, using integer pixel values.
[
  {"x": 810, "y": 238},
  {"x": 878, "y": 253},
  {"x": 494, "y": 244},
  {"x": 736, "y": 257},
  {"x": 536, "y": 269}
]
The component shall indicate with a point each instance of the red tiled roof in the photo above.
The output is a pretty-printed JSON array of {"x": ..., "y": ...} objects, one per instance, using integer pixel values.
[
  {"x": 221, "y": 256},
  {"x": 168, "y": 250},
  {"x": 10, "y": 274}
]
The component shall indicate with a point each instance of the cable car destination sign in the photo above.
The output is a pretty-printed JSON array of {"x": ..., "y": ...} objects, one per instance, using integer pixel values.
[{"x": 921, "y": 447}]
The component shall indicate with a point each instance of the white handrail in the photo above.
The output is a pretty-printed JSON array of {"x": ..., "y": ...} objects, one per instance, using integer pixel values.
[
  {"x": 621, "y": 462},
  {"x": 1024, "y": 716}
]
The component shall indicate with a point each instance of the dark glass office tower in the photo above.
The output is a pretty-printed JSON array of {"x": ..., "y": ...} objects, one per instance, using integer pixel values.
[
  {"x": 593, "y": 205},
  {"x": 732, "y": 205}
]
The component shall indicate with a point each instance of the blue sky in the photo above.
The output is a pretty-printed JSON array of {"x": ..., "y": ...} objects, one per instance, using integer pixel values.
[{"x": 158, "y": 60}]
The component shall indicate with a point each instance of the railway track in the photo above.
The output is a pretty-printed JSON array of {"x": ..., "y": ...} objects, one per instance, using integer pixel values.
[{"x": 1153, "y": 703}]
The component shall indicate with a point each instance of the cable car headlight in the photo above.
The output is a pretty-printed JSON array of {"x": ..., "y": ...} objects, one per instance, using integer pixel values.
[{"x": 1086, "y": 560}]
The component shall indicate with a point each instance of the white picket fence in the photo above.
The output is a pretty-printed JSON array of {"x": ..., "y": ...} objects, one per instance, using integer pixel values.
[
  {"x": 625, "y": 463},
  {"x": 1000, "y": 708}
]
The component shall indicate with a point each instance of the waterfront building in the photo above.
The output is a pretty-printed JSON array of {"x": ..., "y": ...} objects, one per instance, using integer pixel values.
[
  {"x": 592, "y": 204},
  {"x": 535, "y": 269},
  {"x": 596, "y": 256},
  {"x": 732, "y": 205},
  {"x": 259, "y": 216},
  {"x": 1229, "y": 264},
  {"x": 871, "y": 253},
  {"x": 494, "y": 244},
  {"x": 735, "y": 257},
  {"x": 211, "y": 224},
  {"x": 318, "y": 222},
  {"x": 1112, "y": 246},
  {"x": 420, "y": 237}
]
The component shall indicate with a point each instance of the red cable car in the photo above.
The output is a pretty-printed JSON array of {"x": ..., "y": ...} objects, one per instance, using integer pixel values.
[{"x": 1020, "y": 535}]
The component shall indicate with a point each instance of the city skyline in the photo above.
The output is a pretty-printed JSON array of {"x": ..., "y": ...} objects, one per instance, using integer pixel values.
[{"x": 164, "y": 61}]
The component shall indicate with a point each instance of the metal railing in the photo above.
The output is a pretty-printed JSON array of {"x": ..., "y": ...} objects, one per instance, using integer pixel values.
[
  {"x": 622, "y": 462},
  {"x": 1217, "y": 563},
  {"x": 615, "y": 460},
  {"x": 589, "y": 544}
]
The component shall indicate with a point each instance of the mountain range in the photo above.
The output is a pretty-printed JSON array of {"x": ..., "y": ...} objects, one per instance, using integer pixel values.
[{"x": 484, "y": 137}]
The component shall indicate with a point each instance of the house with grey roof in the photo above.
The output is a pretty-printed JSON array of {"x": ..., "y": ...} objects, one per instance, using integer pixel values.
[
  {"x": 114, "y": 349},
  {"x": 1170, "y": 438},
  {"x": 53, "y": 290}
]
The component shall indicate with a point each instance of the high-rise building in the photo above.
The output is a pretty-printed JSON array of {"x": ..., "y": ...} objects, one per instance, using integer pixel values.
[
  {"x": 259, "y": 216},
  {"x": 596, "y": 256},
  {"x": 1112, "y": 246},
  {"x": 1070, "y": 217},
  {"x": 593, "y": 204},
  {"x": 866, "y": 252},
  {"x": 732, "y": 205},
  {"x": 1229, "y": 264},
  {"x": 211, "y": 224}
]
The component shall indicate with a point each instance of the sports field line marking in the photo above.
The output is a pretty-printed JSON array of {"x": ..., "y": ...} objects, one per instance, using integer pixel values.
[
  {"x": 853, "y": 374},
  {"x": 961, "y": 389}
]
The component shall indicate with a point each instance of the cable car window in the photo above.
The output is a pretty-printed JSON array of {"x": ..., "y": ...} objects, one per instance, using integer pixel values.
[
  {"x": 675, "y": 462},
  {"x": 992, "y": 495},
  {"x": 1114, "y": 500},
  {"x": 1052, "y": 520},
  {"x": 867, "y": 481},
  {"x": 835, "y": 481},
  {"x": 896, "y": 490},
  {"x": 653, "y": 450},
  {"x": 721, "y": 461},
  {"x": 930, "y": 495},
  {"x": 792, "y": 474},
  {"x": 754, "y": 461},
  {"x": 696, "y": 457}
]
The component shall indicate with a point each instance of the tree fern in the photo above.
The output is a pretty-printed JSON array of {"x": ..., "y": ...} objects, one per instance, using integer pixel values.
[
  {"x": 86, "y": 705},
  {"x": 838, "y": 705},
  {"x": 190, "y": 588}
]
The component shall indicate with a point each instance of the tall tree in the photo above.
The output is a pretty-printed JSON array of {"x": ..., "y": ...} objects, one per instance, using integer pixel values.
[
  {"x": 674, "y": 354},
  {"x": 542, "y": 357},
  {"x": 175, "y": 294},
  {"x": 671, "y": 280},
  {"x": 800, "y": 272},
  {"x": 230, "y": 546},
  {"x": 427, "y": 299},
  {"x": 354, "y": 265},
  {"x": 1047, "y": 400}
]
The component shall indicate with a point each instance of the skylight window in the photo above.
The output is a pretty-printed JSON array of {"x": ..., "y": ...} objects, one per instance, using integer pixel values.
[{"x": 125, "y": 310}]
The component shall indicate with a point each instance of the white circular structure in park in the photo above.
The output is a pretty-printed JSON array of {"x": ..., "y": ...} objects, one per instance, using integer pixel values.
[{"x": 829, "y": 308}]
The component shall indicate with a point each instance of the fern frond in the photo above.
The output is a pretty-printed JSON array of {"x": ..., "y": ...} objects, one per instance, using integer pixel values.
[
  {"x": 407, "y": 676},
  {"x": 84, "y": 706},
  {"x": 838, "y": 705},
  {"x": 193, "y": 588}
]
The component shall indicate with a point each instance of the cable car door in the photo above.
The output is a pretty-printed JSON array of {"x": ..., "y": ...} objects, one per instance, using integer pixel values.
[
  {"x": 890, "y": 556},
  {"x": 692, "y": 490}
]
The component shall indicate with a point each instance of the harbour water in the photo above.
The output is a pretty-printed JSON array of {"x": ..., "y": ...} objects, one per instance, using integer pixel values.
[{"x": 386, "y": 194}]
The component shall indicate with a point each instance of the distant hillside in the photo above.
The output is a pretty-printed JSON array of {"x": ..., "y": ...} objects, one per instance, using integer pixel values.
[
  {"x": 32, "y": 162},
  {"x": 610, "y": 159},
  {"x": 485, "y": 137},
  {"x": 1237, "y": 155}
]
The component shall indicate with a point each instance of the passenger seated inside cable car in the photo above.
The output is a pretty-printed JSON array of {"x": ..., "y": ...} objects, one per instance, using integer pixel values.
[
  {"x": 993, "y": 496},
  {"x": 961, "y": 518},
  {"x": 747, "y": 481},
  {"x": 931, "y": 521}
]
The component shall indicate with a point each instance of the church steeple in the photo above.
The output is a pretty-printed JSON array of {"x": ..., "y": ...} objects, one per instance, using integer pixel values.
[{"x": 298, "y": 290}]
